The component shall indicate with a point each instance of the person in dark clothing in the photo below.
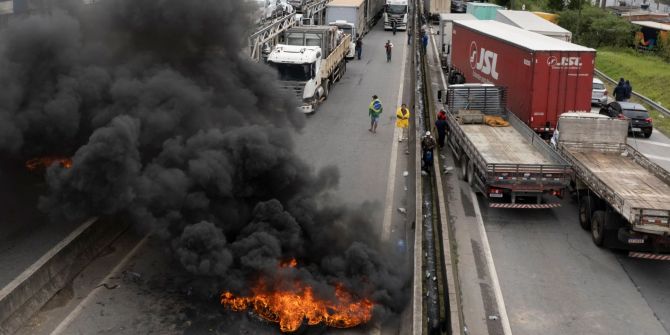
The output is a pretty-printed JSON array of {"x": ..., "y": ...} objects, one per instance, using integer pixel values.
[
  {"x": 628, "y": 89},
  {"x": 359, "y": 47},
  {"x": 619, "y": 91},
  {"x": 442, "y": 115},
  {"x": 409, "y": 36},
  {"x": 427, "y": 147},
  {"x": 424, "y": 42},
  {"x": 441, "y": 126},
  {"x": 393, "y": 26},
  {"x": 389, "y": 48}
]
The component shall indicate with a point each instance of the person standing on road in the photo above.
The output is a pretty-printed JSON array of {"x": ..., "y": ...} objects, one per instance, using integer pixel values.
[
  {"x": 441, "y": 126},
  {"x": 402, "y": 121},
  {"x": 374, "y": 110},
  {"x": 442, "y": 115},
  {"x": 393, "y": 27},
  {"x": 619, "y": 91},
  {"x": 424, "y": 42},
  {"x": 628, "y": 89},
  {"x": 409, "y": 35},
  {"x": 359, "y": 47},
  {"x": 427, "y": 147},
  {"x": 389, "y": 48}
]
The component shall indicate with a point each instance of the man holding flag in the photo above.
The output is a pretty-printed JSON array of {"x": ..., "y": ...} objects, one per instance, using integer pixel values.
[{"x": 375, "y": 110}]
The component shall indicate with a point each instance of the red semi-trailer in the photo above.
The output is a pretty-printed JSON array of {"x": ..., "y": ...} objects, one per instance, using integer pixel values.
[{"x": 545, "y": 77}]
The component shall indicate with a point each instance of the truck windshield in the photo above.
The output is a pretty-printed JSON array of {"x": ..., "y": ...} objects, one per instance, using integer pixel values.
[
  {"x": 293, "y": 72},
  {"x": 396, "y": 9}
]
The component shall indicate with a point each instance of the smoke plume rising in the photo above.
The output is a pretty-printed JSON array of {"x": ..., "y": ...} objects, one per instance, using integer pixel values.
[{"x": 170, "y": 125}]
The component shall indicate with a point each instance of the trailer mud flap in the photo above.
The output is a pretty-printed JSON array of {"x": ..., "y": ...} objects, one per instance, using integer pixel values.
[
  {"x": 532, "y": 206},
  {"x": 647, "y": 255}
]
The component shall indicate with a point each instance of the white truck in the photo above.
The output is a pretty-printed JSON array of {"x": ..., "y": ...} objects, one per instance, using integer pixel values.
[
  {"x": 350, "y": 11},
  {"x": 624, "y": 197},
  {"x": 311, "y": 59},
  {"x": 348, "y": 29},
  {"x": 446, "y": 26},
  {"x": 395, "y": 14}
]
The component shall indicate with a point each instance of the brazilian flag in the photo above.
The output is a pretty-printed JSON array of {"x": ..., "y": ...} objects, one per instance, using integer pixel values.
[{"x": 375, "y": 107}]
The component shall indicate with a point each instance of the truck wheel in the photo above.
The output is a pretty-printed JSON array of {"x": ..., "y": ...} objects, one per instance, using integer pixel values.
[
  {"x": 598, "y": 227},
  {"x": 326, "y": 89},
  {"x": 463, "y": 172},
  {"x": 586, "y": 209},
  {"x": 471, "y": 174}
]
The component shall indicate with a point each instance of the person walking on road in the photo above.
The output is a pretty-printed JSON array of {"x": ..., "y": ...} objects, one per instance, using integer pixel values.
[
  {"x": 402, "y": 121},
  {"x": 389, "y": 48},
  {"x": 427, "y": 147},
  {"x": 393, "y": 27},
  {"x": 441, "y": 126},
  {"x": 374, "y": 110},
  {"x": 409, "y": 35},
  {"x": 359, "y": 47},
  {"x": 619, "y": 91},
  {"x": 628, "y": 90}
]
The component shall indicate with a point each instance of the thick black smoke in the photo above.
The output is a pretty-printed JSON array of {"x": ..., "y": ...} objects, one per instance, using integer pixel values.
[{"x": 170, "y": 125}]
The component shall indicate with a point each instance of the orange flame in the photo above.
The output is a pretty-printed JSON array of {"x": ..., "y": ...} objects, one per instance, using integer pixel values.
[
  {"x": 291, "y": 307},
  {"x": 45, "y": 162}
]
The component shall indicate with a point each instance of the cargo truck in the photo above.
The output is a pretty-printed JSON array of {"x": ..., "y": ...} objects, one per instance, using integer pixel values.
[
  {"x": 395, "y": 14},
  {"x": 361, "y": 13},
  {"x": 505, "y": 161},
  {"x": 623, "y": 197},
  {"x": 311, "y": 59},
  {"x": 446, "y": 24},
  {"x": 545, "y": 77},
  {"x": 531, "y": 22},
  {"x": 349, "y": 29}
]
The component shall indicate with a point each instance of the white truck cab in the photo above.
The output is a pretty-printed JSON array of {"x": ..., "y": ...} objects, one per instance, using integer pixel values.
[
  {"x": 298, "y": 68},
  {"x": 347, "y": 28},
  {"x": 395, "y": 13}
]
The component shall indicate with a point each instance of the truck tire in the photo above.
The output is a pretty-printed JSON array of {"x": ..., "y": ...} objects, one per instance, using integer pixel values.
[
  {"x": 326, "y": 89},
  {"x": 463, "y": 171},
  {"x": 587, "y": 206},
  {"x": 471, "y": 174},
  {"x": 598, "y": 221}
]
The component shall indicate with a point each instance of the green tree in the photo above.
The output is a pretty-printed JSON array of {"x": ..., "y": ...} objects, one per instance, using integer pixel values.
[
  {"x": 595, "y": 27},
  {"x": 556, "y": 5},
  {"x": 575, "y": 4}
]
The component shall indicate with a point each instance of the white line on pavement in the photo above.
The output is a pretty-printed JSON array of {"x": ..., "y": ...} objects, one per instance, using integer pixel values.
[
  {"x": 63, "y": 325},
  {"x": 390, "y": 188},
  {"x": 504, "y": 320},
  {"x": 667, "y": 145}
]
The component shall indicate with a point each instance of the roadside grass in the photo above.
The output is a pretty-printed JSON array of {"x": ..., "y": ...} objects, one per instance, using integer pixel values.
[{"x": 649, "y": 75}]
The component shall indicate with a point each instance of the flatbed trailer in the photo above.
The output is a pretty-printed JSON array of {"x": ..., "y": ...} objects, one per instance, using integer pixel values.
[
  {"x": 624, "y": 197},
  {"x": 511, "y": 166}
]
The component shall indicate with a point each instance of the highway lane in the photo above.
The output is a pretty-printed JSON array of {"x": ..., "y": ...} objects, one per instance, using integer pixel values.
[
  {"x": 152, "y": 295},
  {"x": 554, "y": 280}
]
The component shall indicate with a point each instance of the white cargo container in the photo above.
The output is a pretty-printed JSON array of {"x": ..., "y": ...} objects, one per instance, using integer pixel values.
[
  {"x": 351, "y": 11},
  {"x": 531, "y": 22}
]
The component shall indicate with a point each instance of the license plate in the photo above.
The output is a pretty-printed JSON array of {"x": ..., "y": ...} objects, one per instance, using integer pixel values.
[
  {"x": 635, "y": 241},
  {"x": 495, "y": 195},
  {"x": 637, "y": 129}
]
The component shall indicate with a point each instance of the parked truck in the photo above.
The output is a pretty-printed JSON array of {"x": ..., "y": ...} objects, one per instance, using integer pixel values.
[
  {"x": 349, "y": 29},
  {"x": 545, "y": 77},
  {"x": 446, "y": 25},
  {"x": 361, "y": 13},
  {"x": 499, "y": 156},
  {"x": 311, "y": 59},
  {"x": 624, "y": 198},
  {"x": 395, "y": 14}
]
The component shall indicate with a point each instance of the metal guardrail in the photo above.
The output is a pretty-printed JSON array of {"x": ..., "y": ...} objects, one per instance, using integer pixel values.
[{"x": 663, "y": 110}]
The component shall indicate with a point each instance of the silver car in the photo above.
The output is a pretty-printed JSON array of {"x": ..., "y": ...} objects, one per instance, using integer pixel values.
[{"x": 598, "y": 93}]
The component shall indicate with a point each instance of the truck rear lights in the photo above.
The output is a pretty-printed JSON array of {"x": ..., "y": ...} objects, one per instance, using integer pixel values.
[
  {"x": 495, "y": 192},
  {"x": 557, "y": 193}
]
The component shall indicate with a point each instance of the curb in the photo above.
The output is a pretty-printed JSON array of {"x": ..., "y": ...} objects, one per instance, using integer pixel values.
[{"x": 29, "y": 291}]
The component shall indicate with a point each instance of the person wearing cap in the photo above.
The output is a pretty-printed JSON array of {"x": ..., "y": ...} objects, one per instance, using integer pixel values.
[{"x": 427, "y": 146}]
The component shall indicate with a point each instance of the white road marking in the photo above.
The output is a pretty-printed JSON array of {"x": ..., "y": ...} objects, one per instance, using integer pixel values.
[
  {"x": 62, "y": 326},
  {"x": 390, "y": 188},
  {"x": 504, "y": 320},
  {"x": 667, "y": 145}
]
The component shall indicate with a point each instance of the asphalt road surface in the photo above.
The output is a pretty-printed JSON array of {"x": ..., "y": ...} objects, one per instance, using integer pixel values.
[
  {"x": 552, "y": 278},
  {"x": 144, "y": 291}
]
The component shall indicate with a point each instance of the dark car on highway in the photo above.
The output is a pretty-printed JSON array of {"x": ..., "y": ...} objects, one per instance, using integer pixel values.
[
  {"x": 638, "y": 118},
  {"x": 458, "y": 6}
]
